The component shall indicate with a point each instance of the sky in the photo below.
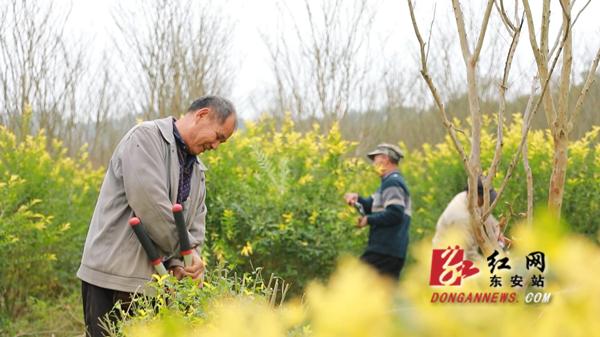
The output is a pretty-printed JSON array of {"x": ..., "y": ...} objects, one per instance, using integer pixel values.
[{"x": 393, "y": 34}]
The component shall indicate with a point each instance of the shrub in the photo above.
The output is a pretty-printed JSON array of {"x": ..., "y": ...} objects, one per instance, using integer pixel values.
[
  {"x": 187, "y": 302},
  {"x": 275, "y": 201},
  {"x": 45, "y": 205}
]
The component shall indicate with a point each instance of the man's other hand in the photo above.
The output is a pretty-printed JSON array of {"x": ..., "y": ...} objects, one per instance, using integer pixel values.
[
  {"x": 351, "y": 198},
  {"x": 362, "y": 222},
  {"x": 177, "y": 271}
]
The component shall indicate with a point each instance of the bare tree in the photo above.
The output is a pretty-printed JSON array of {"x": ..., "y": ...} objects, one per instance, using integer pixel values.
[
  {"x": 559, "y": 115},
  {"x": 179, "y": 50},
  {"x": 39, "y": 71},
  {"x": 471, "y": 52},
  {"x": 322, "y": 71}
]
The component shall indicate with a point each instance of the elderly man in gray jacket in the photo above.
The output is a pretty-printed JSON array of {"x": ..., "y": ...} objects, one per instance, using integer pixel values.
[{"x": 153, "y": 167}]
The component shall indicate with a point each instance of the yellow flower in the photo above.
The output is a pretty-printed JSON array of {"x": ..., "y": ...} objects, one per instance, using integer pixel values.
[
  {"x": 288, "y": 217},
  {"x": 313, "y": 217},
  {"x": 247, "y": 249},
  {"x": 243, "y": 318},
  {"x": 336, "y": 310},
  {"x": 340, "y": 185},
  {"x": 293, "y": 313},
  {"x": 305, "y": 179},
  {"x": 213, "y": 160},
  {"x": 227, "y": 213},
  {"x": 160, "y": 279}
]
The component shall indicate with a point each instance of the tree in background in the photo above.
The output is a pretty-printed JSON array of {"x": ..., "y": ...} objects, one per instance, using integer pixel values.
[
  {"x": 39, "y": 68},
  {"x": 50, "y": 81},
  {"x": 323, "y": 72},
  {"x": 471, "y": 53},
  {"x": 173, "y": 52},
  {"x": 560, "y": 115}
]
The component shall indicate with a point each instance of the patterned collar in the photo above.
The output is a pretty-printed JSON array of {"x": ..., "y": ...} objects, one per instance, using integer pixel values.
[{"x": 181, "y": 144}]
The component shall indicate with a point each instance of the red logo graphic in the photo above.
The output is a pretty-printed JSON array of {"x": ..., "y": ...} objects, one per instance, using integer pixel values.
[{"x": 449, "y": 268}]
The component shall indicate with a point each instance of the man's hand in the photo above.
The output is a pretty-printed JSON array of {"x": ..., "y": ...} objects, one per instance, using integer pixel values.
[
  {"x": 195, "y": 271},
  {"x": 177, "y": 271},
  {"x": 351, "y": 198},
  {"x": 362, "y": 222}
]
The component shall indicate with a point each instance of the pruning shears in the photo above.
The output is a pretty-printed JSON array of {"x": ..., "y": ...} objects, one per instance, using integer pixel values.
[
  {"x": 148, "y": 246},
  {"x": 359, "y": 207},
  {"x": 184, "y": 240}
]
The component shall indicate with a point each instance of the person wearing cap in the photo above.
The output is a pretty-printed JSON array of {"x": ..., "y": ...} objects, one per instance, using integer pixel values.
[
  {"x": 454, "y": 225},
  {"x": 388, "y": 213}
]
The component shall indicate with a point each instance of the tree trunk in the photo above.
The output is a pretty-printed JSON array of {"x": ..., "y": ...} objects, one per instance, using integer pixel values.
[{"x": 559, "y": 172}]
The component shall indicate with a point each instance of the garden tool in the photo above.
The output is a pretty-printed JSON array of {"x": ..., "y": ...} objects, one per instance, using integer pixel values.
[
  {"x": 359, "y": 207},
  {"x": 184, "y": 240},
  {"x": 148, "y": 246}
]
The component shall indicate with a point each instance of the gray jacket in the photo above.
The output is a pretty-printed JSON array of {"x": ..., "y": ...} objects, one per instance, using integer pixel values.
[{"x": 142, "y": 178}]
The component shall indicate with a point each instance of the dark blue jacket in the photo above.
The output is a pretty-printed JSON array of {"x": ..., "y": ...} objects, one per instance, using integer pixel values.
[{"x": 388, "y": 215}]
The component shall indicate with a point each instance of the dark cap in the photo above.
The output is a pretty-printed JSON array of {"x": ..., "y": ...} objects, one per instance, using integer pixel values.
[
  {"x": 493, "y": 193},
  {"x": 389, "y": 150}
]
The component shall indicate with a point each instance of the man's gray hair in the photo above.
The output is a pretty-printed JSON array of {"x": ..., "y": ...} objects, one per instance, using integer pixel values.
[{"x": 222, "y": 107}]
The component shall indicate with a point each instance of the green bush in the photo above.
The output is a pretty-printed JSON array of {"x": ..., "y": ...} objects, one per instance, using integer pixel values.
[
  {"x": 45, "y": 206},
  {"x": 185, "y": 299},
  {"x": 275, "y": 201}
]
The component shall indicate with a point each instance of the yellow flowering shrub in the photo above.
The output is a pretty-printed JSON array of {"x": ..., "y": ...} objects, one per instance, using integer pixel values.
[
  {"x": 45, "y": 205},
  {"x": 275, "y": 201}
]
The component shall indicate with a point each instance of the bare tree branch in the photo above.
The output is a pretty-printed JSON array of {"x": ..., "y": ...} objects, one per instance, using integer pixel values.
[
  {"x": 500, "y": 120},
  {"x": 527, "y": 126},
  {"x": 526, "y": 166},
  {"x": 330, "y": 53},
  {"x": 504, "y": 17},
  {"x": 180, "y": 51},
  {"x": 438, "y": 100},
  {"x": 484, "y": 25},
  {"x": 586, "y": 87}
]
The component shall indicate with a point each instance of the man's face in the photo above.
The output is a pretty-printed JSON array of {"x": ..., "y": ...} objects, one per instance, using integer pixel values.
[
  {"x": 207, "y": 133},
  {"x": 380, "y": 163}
]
